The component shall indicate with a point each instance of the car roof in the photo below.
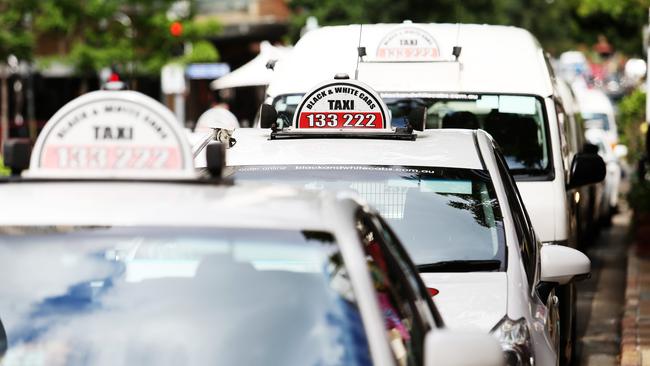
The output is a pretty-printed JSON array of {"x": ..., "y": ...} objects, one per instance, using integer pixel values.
[
  {"x": 436, "y": 147},
  {"x": 593, "y": 100},
  {"x": 181, "y": 204},
  {"x": 495, "y": 59}
]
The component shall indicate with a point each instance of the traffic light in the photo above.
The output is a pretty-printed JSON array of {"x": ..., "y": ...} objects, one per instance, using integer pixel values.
[{"x": 176, "y": 29}]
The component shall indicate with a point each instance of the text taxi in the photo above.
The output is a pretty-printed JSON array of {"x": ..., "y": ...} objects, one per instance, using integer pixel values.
[
  {"x": 448, "y": 195},
  {"x": 114, "y": 251}
]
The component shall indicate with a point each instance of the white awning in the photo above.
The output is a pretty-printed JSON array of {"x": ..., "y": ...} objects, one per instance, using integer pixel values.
[{"x": 253, "y": 73}]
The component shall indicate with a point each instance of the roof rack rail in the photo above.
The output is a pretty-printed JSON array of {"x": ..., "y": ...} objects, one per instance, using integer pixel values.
[{"x": 399, "y": 134}]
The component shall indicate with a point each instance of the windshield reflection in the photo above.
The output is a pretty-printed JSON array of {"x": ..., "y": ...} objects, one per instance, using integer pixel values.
[
  {"x": 440, "y": 214},
  {"x": 153, "y": 296}
]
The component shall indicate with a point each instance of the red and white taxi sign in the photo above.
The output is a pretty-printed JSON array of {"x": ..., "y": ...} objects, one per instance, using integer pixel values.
[
  {"x": 112, "y": 134},
  {"x": 408, "y": 44},
  {"x": 341, "y": 105}
]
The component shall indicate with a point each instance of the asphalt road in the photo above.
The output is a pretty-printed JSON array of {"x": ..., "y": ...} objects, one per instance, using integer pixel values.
[{"x": 601, "y": 298}]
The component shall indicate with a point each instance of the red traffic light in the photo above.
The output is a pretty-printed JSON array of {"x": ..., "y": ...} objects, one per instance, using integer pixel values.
[{"x": 176, "y": 29}]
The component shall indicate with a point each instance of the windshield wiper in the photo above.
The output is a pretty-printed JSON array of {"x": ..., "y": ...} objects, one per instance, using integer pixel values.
[{"x": 461, "y": 266}]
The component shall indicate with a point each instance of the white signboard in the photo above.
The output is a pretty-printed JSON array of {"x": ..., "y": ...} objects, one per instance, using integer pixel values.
[
  {"x": 341, "y": 105},
  {"x": 121, "y": 134},
  {"x": 408, "y": 44},
  {"x": 172, "y": 79}
]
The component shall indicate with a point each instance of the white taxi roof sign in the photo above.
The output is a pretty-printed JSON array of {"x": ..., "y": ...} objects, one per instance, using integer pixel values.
[
  {"x": 341, "y": 105},
  {"x": 112, "y": 134},
  {"x": 408, "y": 44}
]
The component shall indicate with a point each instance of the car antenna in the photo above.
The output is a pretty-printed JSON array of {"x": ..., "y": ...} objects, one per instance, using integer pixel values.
[
  {"x": 361, "y": 51},
  {"x": 457, "y": 48}
]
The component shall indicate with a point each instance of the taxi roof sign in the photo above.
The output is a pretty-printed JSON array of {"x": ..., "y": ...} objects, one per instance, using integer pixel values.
[
  {"x": 112, "y": 134},
  {"x": 408, "y": 44},
  {"x": 341, "y": 105}
]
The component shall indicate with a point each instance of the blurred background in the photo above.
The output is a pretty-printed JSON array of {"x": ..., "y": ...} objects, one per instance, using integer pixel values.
[{"x": 217, "y": 51}]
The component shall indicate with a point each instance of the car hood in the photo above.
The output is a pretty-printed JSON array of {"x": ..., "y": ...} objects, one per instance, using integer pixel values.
[{"x": 470, "y": 300}]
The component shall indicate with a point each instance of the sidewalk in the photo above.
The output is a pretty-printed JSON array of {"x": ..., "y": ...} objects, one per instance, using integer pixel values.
[{"x": 635, "y": 342}]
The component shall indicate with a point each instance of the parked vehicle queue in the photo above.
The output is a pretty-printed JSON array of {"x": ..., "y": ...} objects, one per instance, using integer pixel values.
[{"x": 114, "y": 250}]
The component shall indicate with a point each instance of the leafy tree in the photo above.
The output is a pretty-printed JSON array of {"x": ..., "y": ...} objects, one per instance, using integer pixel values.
[
  {"x": 631, "y": 116},
  {"x": 132, "y": 35},
  {"x": 16, "y": 39},
  {"x": 559, "y": 24}
]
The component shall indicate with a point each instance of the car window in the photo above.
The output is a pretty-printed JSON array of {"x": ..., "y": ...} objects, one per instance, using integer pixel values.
[
  {"x": 523, "y": 226},
  {"x": 420, "y": 291},
  {"x": 597, "y": 120},
  {"x": 404, "y": 325}
]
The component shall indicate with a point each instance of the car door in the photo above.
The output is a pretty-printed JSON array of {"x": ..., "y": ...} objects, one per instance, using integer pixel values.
[
  {"x": 406, "y": 306},
  {"x": 529, "y": 246}
]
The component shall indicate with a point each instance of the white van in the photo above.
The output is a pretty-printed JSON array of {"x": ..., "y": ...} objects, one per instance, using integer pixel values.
[
  {"x": 469, "y": 76},
  {"x": 598, "y": 112}
]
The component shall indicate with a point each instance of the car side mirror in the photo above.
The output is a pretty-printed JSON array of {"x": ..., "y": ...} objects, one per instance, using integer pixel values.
[
  {"x": 215, "y": 159},
  {"x": 620, "y": 151},
  {"x": 3, "y": 340},
  {"x": 418, "y": 118},
  {"x": 454, "y": 348},
  {"x": 268, "y": 116},
  {"x": 560, "y": 264},
  {"x": 586, "y": 169},
  {"x": 589, "y": 148},
  {"x": 17, "y": 153}
]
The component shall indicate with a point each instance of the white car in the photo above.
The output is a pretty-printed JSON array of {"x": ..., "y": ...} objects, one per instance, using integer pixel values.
[
  {"x": 450, "y": 199},
  {"x": 598, "y": 112},
  {"x": 114, "y": 251},
  {"x": 467, "y": 76},
  {"x": 612, "y": 182}
]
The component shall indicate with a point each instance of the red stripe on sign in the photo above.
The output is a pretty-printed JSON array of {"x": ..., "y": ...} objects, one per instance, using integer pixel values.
[
  {"x": 111, "y": 157},
  {"x": 370, "y": 120}
]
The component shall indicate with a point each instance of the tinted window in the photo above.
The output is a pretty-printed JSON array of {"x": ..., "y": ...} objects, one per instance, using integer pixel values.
[
  {"x": 162, "y": 296},
  {"x": 440, "y": 214}
]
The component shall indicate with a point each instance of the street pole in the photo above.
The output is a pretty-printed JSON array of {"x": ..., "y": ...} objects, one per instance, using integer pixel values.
[
  {"x": 179, "y": 108},
  {"x": 4, "y": 106},
  {"x": 647, "y": 77}
]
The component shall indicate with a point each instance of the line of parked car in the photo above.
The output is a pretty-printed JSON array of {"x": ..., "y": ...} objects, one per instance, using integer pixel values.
[{"x": 413, "y": 194}]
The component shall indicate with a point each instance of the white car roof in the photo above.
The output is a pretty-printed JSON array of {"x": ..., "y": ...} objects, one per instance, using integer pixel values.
[
  {"x": 165, "y": 204},
  {"x": 439, "y": 147},
  {"x": 594, "y": 101},
  {"x": 495, "y": 59}
]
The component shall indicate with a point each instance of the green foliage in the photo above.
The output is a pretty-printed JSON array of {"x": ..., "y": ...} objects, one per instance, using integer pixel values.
[
  {"x": 631, "y": 115},
  {"x": 202, "y": 51},
  {"x": 639, "y": 196},
  {"x": 131, "y": 35},
  {"x": 4, "y": 171},
  {"x": 559, "y": 24},
  {"x": 15, "y": 36}
]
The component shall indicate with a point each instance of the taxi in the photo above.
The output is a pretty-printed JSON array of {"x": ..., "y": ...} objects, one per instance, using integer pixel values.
[
  {"x": 113, "y": 250},
  {"x": 471, "y": 76},
  {"x": 446, "y": 192}
]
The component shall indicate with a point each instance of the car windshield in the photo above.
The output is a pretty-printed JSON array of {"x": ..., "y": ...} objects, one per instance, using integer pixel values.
[
  {"x": 516, "y": 122},
  {"x": 440, "y": 214},
  {"x": 170, "y": 296},
  {"x": 596, "y": 120}
]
